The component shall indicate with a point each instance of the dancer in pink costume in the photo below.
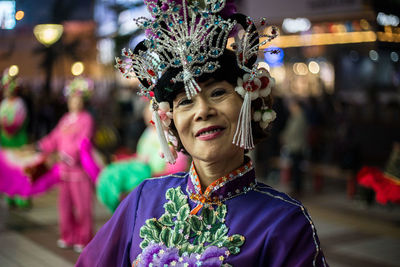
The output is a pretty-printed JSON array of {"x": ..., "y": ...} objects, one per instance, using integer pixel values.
[{"x": 76, "y": 188}]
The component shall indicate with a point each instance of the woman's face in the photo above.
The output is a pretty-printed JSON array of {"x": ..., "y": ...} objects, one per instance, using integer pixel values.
[
  {"x": 75, "y": 103},
  {"x": 207, "y": 123}
]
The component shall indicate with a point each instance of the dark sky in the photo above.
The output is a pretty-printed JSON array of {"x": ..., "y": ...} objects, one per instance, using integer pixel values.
[{"x": 54, "y": 11}]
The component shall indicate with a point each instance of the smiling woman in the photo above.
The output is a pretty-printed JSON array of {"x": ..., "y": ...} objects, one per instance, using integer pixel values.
[
  {"x": 214, "y": 105},
  {"x": 206, "y": 125}
]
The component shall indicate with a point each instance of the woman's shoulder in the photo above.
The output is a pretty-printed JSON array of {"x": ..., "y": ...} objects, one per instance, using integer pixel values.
[
  {"x": 159, "y": 184},
  {"x": 279, "y": 199},
  {"x": 165, "y": 181},
  {"x": 285, "y": 210},
  {"x": 169, "y": 177},
  {"x": 153, "y": 189}
]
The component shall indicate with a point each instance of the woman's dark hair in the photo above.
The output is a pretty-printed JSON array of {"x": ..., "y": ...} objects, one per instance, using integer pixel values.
[{"x": 166, "y": 91}]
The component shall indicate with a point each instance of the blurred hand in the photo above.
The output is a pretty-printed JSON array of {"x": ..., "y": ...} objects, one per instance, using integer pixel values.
[{"x": 24, "y": 151}]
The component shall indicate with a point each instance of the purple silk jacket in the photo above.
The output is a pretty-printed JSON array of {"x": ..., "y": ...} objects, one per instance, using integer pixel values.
[{"x": 255, "y": 226}]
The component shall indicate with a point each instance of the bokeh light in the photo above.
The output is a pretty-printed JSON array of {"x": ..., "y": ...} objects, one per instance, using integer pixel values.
[
  {"x": 48, "y": 34},
  {"x": 313, "y": 67},
  {"x": 364, "y": 24},
  {"x": 300, "y": 68},
  {"x": 13, "y": 70},
  {"x": 394, "y": 56},
  {"x": 373, "y": 55},
  {"x": 77, "y": 68},
  {"x": 19, "y": 15}
]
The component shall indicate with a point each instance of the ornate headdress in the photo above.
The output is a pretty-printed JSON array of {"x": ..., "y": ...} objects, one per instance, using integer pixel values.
[
  {"x": 190, "y": 36},
  {"x": 79, "y": 85},
  {"x": 8, "y": 82}
]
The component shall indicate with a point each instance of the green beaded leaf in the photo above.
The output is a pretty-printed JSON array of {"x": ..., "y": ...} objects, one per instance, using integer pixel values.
[
  {"x": 170, "y": 194},
  {"x": 166, "y": 236},
  {"x": 170, "y": 207},
  {"x": 221, "y": 212},
  {"x": 144, "y": 244},
  {"x": 203, "y": 237},
  {"x": 184, "y": 226},
  {"x": 176, "y": 196},
  {"x": 208, "y": 216},
  {"x": 183, "y": 212},
  {"x": 233, "y": 243},
  {"x": 237, "y": 240},
  {"x": 234, "y": 250},
  {"x": 191, "y": 248},
  {"x": 195, "y": 224},
  {"x": 177, "y": 237},
  {"x": 156, "y": 236},
  {"x": 154, "y": 224},
  {"x": 180, "y": 199},
  {"x": 146, "y": 232},
  {"x": 181, "y": 202},
  {"x": 166, "y": 219},
  {"x": 199, "y": 248},
  {"x": 184, "y": 247},
  {"x": 221, "y": 231}
]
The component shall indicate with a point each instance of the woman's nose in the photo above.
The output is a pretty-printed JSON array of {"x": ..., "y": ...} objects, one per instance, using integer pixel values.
[{"x": 203, "y": 109}]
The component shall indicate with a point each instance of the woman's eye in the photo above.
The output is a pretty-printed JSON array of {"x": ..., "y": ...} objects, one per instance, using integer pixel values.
[
  {"x": 184, "y": 102},
  {"x": 218, "y": 92}
]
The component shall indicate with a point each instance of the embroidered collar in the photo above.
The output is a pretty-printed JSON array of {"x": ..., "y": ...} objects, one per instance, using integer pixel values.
[{"x": 237, "y": 182}]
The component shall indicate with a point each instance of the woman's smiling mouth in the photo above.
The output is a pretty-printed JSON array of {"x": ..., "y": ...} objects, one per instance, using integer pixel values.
[{"x": 209, "y": 133}]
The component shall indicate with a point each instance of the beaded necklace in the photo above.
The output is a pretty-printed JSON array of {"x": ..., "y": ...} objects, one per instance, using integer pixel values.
[{"x": 222, "y": 189}]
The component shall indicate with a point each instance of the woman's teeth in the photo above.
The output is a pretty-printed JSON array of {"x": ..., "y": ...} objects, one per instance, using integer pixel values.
[{"x": 210, "y": 132}]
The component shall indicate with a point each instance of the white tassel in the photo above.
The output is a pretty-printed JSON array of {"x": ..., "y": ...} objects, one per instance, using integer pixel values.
[
  {"x": 162, "y": 139},
  {"x": 243, "y": 135}
]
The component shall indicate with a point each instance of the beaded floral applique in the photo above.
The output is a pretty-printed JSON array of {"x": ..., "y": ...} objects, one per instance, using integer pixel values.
[{"x": 180, "y": 239}]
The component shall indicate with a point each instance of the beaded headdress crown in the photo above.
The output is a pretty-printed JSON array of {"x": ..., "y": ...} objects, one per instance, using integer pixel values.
[
  {"x": 79, "y": 85},
  {"x": 191, "y": 35}
]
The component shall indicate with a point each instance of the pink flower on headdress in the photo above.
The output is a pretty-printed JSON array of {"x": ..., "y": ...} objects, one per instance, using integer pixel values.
[
  {"x": 258, "y": 87},
  {"x": 164, "y": 111}
]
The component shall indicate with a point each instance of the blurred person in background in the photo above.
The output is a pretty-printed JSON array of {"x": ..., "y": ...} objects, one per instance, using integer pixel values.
[
  {"x": 346, "y": 142},
  {"x": 384, "y": 182},
  {"x": 294, "y": 144},
  {"x": 315, "y": 140},
  {"x": 316, "y": 123},
  {"x": 384, "y": 179},
  {"x": 75, "y": 188},
  {"x": 13, "y": 123}
]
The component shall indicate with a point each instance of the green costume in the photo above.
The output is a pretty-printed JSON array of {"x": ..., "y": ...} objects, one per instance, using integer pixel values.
[
  {"x": 122, "y": 177},
  {"x": 118, "y": 178},
  {"x": 13, "y": 123}
]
